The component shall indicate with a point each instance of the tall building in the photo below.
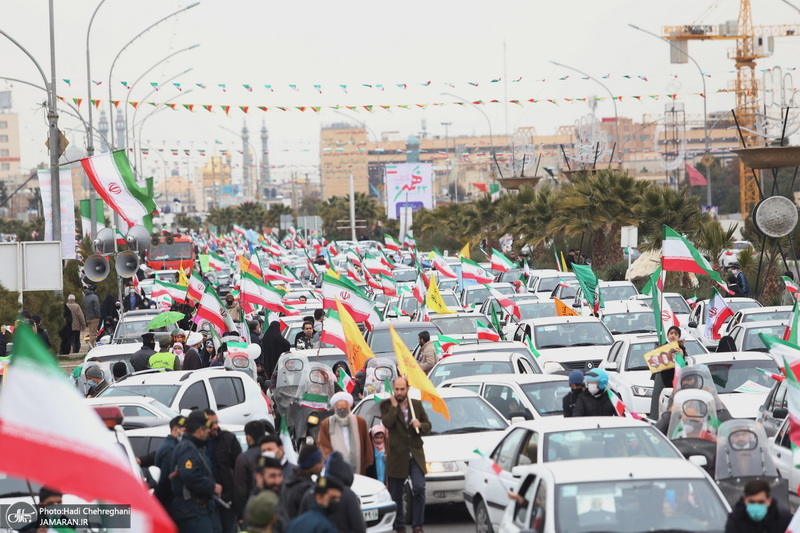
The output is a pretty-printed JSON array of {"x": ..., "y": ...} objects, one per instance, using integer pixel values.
[
  {"x": 343, "y": 152},
  {"x": 246, "y": 160},
  {"x": 10, "y": 171},
  {"x": 121, "y": 135},
  {"x": 266, "y": 180},
  {"x": 102, "y": 127}
]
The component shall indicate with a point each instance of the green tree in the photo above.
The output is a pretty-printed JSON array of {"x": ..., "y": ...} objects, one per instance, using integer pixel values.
[
  {"x": 712, "y": 239},
  {"x": 251, "y": 215},
  {"x": 223, "y": 218},
  {"x": 273, "y": 217}
]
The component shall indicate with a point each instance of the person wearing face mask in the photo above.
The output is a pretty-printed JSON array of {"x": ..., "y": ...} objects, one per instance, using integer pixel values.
[
  {"x": 576, "y": 388},
  {"x": 327, "y": 497},
  {"x": 741, "y": 280},
  {"x": 309, "y": 466},
  {"x": 594, "y": 401},
  {"x": 347, "y": 516},
  {"x": 164, "y": 453},
  {"x": 756, "y": 511},
  {"x": 131, "y": 301},
  {"x": 95, "y": 375},
  {"x": 272, "y": 446},
  {"x": 346, "y": 433}
]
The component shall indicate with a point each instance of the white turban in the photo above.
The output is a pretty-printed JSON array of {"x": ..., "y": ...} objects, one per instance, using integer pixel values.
[{"x": 342, "y": 395}]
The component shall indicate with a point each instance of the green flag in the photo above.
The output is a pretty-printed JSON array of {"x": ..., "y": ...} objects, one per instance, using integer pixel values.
[{"x": 589, "y": 285}]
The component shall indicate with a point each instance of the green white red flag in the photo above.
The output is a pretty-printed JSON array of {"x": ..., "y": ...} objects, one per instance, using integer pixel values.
[
  {"x": 791, "y": 286},
  {"x": 114, "y": 180},
  {"x": 332, "y": 330},
  {"x": 782, "y": 351},
  {"x": 196, "y": 287},
  {"x": 678, "y": 255},
  {"x": 793, "y": 327},
  {"x": 256, "y": 292},
  {"x": 472, "y": 270},
  {"x": 507, "y": 304},
  {"x": 619, "y": 407},
  {"x": 486, "y": 333},
  {"x": 388, "y": 285},
  {"x": 419, "y": 290},
  {"x": 318, "y": 402},
  {"x": 391, "y": 243},
  {"x": 717, "y": 312},
  {"x": 793, "y": 396},
  {"x": 162, "y": 289},
  {"x": 211, "y": 309},
  {"x": 500, "y": 262},
  {"x": 215, "y": 261},
  {"x": 441, "y": 265},
  {"x": 409, "y": 241},
  {"x": 49, "y": 435},
  {"x": 345, "y": 382},
  {"x": 358, "y": 304}
]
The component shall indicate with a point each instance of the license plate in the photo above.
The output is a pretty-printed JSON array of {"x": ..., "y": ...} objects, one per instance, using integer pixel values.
[{"x": 370, "y": 514}]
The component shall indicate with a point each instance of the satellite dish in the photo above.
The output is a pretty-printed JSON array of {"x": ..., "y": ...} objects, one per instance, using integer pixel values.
[
  {"x": 127, "y": 264},
  {"x": 138, "y": 238},
  {"x": 96, "y": 267},
  {"x": 104, "y": 241}
]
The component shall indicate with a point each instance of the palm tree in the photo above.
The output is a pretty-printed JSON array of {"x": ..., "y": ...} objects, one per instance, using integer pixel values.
[
  {"x": 661, "y": 206},
  {"x": 535, "y": 213},
  {"x": 273, "y": 214},
  {"x": 712, "y": 240},
  {"x": 251, "y": 215},
  {"x": 223, "y": 218}
]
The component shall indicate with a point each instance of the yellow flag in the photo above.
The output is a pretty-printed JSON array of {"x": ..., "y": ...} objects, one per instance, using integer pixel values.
[
  {"x": 563, "y": 309},
  {"x": 244, "y": 264},
  {"x": 433, "y": 300},
  {"x": 358, "y": 351},
  {"x": 334, "y": 274},
  {"x": 563, "y": 263},
  {"x": 465, "y": 251},
  {"x": 182, "y": 279},
  {"x": 408, "y": 367}
]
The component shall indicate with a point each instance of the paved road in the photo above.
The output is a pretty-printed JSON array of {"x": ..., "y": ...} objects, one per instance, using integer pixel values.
[{"x": 448, "y": 519}]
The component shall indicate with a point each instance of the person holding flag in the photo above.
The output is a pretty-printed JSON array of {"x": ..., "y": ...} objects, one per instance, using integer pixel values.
[
  {"x": 427, "y": 353},
  {"x": 594, "y": 401}
]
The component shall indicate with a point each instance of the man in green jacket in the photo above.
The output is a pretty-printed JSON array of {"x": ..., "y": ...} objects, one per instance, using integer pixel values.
[
  {"x": 406, "y": 421},
  {"x": 164, "y": 358}
]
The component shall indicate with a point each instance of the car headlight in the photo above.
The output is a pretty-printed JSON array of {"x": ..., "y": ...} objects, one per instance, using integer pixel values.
[
  {"x": 643, "y": 391},
  {"x": 439, "y": 467},
  {"x": 551, "y": 367},
  {"x": 383, "y": 496}
]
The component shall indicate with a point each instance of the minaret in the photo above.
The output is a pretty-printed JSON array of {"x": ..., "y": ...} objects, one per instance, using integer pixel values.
[
  {"x": 119, "y": 124},
  {"x": 102, "y": 127},
  {"x": 266, "y": 182},
  {"x": 245, "y": 161}
]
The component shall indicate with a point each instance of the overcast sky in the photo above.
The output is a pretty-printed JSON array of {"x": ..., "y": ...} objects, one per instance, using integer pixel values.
[{"x": 307, "y": 43}]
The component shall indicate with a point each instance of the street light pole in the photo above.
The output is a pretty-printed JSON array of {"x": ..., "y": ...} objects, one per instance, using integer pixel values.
[
  {"x": 90, "y": 137},
  {"x": 705, "y": 106},
  {"x": 447, "y": 155},
  {"x": 113, "y": 63}
]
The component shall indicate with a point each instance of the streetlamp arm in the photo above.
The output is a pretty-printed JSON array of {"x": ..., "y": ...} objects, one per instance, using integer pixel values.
[{"x": 38, "y": 66}]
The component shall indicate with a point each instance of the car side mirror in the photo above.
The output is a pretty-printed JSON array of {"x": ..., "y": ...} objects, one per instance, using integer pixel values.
[
  {"x": 517, "y": 420},
  {"x": 780, "y": 412},
  {"x": 698, "y": 460},
  {"x": 692, "y": 324},
  {"x": 524, "y": 415},
  {"x": 155, "y": 473},
  {"x": 610, "y": 366},
  {"x": 576, "y": 304},
  {"x": 517, "y": 471}
]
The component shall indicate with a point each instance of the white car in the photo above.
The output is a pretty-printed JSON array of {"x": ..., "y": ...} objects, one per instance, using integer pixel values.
[
  {"x": 610, "y": 293},
  {"x": 138, "y": 411},
  {"x": 676, "y": 302},
  {"x": 236, "y": 398},
  {"x": 628, "y": 373},
  {"x": 569, "y": 342},
  {"x": 757, "y": 314},
  {"x": 531, "y": 396},
  {"x": 461, "y": 326},
  {"x": 481, "y": 364},
  {"x": 450, "y": 446},
  {"x": 746, "y": 335},
  {"x": 542, "y": 282},
  {"x": 697, "y": 319},
  {"x": 740, "y": 385},
  {"x": 627, "y": 318},
  {"x": 558, "y": 440},
  {"x": 731, "y": 255},
  {"x": 783, "y": 457},
  {"x": 621, "y": 495}
]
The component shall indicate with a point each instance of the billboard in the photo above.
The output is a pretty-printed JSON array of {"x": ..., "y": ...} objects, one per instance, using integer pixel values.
[{"x": 408, "y": 185}]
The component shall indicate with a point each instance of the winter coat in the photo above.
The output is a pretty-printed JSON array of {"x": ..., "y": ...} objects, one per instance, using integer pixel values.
[
  {"x": 348, "y": 518},
  {"x": 776, "y": 521},
  {"x": 78, "y": 320},
  {"x": 589, "y": 405},
  {"x": 404, "y": 438},
  {"x": 223, "y": 451}
]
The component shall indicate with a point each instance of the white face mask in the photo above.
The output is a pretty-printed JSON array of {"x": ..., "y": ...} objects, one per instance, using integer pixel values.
[
  {"x": 593, "y": 388},
  {"x": 268, "y": 454}
]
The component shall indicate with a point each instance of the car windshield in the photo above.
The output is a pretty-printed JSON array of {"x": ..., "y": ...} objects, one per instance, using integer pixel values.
[
  {"x": 450, "y": 300},
  {"x": 617, "y": 292},
  {"x": 506, "y": 290},
  {"x": 448, "y": 284},
  {"x": 571, "y": 334},
  {"x": 619, "y": 323},
  {"x": 381, "y": 340},
  {"x": 405, "y": 276},
  {"x": 409, "y": 305},
  {"x": 546, "y": 397},
  {"x": 478, "y": 295},
  {"x": 737, "y": 304},
  {"x": 163, "y": 393},
  {"x": 448, "y": 370},
  {"x": 634, "y": 506},
  {"x": 678, "y": 305},
  {"x": 459, "y": 325},
  {"x": 569, "y": 292},
  {"x": 607, "y": 442},
  {"x": 772, "y": 315},
  {"x": 742, "y": 376},
  {"x": 172, "y": 252},
  {"x": 135, "y": 328},
  {"x": 753, "y": 342},
  {"x": 467, "y": 415},
  {"x": 636, "y": 359},
  {"x": 741, "y": 245},
  {"x": 549, "y": 283},
  {"x": 537, "y": 310}
]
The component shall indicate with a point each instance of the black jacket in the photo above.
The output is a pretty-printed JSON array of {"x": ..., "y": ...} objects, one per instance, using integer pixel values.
[
  {"x": 588, "y": 405},
  {"x": 348, "y": 517},
  {"x": 223, "y": 451},
  {"x": 243, "y": 481},
  {"x": 776, "y": 521},
  {"x": 272, "y": 346},
  {"x": 162, "y": 460},
  {"x": 191, "y": 360},
  {"x": 141, "y": 358},
  {"x": 292, "y": 492},
  {"x": 569, "y": 401}
]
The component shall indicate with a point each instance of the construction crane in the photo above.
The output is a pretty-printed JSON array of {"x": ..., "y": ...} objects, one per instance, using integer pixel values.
[{"x": 752, "y": 43}]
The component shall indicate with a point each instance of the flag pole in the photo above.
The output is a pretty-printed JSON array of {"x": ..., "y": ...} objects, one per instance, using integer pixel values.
[{"x": 411, "y": 405}]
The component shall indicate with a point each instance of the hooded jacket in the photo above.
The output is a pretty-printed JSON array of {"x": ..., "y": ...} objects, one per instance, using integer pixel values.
[
  {"x": 590, "y": 405},
  {"x": 776, "y": 521},
  {"x": 348, "y": 517}
]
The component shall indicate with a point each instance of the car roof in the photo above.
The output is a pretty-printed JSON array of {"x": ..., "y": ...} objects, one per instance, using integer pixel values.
[
  {"x": 761, "y": 323},
  {"x": 768, "y": 309},
  {"x": 549, "y": 425},
  {"x": 554, "y": 320},
  {"x": 141, "y": 313},
  {"x": 470, "y": 346},
  {"x": 721, "y": 357},
  {"x": 173, "y": 377},
  {"x": 398, "y": 325},
  {"x": 622, "y": 469},
  {"x": 116, "y": 400},
  {"x": 479, "y": 356},
  {"x": 521, "y": 379}
]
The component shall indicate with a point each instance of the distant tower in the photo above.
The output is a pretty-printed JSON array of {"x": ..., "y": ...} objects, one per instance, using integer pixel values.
[
  {"x": 265, "y": 180},
  {"x": 246, "y": 160},
  {"x": 412, "y": 149},
  {"x": 119, "y": 125},
  {"x": 102, "y": 127}
]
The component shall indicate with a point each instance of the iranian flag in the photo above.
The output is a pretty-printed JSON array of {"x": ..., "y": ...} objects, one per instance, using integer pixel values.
[
  {"x": 376, "y": 266},
  {"x": 352, "y": 272},
  {"x": 372, "y": 281},
  {"x": 716, "y": 313},
  {"x": 532, "y": 347},
  {"x": 446, "y": 342},
  {"x": 317, "y": 402},
  {"x": 496, "y": 468},
  {"x": 196, "y": 287},
  {"x": 793, "y": 327},
  {"x": 678, "y": 255},
  {"x": 505, "y": 302},
  {"x": 332, "y": 331},
  {"x": 793, "y": 395},
  {"x": 791, "y": 286},
  {"x": 162, "y": 289},
  {"x": 472, "y": 270},
  {"x": 619, "y": 407},
  {"x": 441, "y": 265},
  {"x": 345, "y": 382},
  {"x": 114, "y": 180},
  {"x": 240, "y": 230},
  {"x": 782, "y": 351},
  {"x": 500, "y": 262},
  {"x": 358, "y": 304},
  {"x": 354, "y": 258},
  {"x": 486, "y": 333},
  {"x": 388, "y": 285},
  {"x": 419, "y": 289},
  {"x": 50, "y": 436},
  {"x": 409, "y": 241},
  {"x": 332, "y": 250},
  {"x": 215, "y": 261},
  {"x": 256, "y": 292},
  {"x": 391, "y": 243},
  {"x": 271, "y": 275},
  {"x": 211, "y": 309}
]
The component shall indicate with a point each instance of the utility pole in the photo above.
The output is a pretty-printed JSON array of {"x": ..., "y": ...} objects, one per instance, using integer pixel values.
[
  {"x": 352, "y": 209},
  {"x": 447, "y": 155}
]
